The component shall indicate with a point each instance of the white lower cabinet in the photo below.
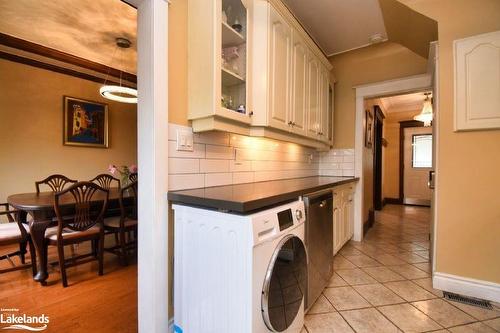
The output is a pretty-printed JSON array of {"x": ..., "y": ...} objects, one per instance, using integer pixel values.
[{"x": 343, "y": 215}]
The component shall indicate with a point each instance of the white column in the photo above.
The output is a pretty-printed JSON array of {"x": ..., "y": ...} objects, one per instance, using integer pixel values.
[{"x": 152, "y": 118}]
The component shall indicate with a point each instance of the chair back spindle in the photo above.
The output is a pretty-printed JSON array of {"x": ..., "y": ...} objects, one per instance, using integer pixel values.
[
  {"x": 86, "y": 215},
  {"x": 133, "y": 177},
  {"x": 105, "y": 181},
  {"x": 57, "y": 183}
]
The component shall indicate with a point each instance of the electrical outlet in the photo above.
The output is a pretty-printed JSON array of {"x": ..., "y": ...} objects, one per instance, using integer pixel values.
[{"x": 185, "y": 140}]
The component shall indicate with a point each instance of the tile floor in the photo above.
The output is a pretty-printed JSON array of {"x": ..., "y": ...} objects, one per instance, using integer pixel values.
[{"x": 383, "y": 284}]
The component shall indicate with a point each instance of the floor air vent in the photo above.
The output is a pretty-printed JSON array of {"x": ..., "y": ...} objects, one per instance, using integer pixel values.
[{"x": 467, "y": 300}]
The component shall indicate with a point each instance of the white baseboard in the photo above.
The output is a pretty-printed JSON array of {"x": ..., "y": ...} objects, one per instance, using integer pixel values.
[{"x": 466, "y": 286}]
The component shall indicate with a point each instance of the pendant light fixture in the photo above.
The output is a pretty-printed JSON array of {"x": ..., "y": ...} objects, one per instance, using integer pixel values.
[
  {"x": 119, "y": 93},
  {"x": 425, "y": 115}
]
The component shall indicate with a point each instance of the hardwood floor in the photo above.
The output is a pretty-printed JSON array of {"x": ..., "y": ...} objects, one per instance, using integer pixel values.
[{"x": 90, "y": 303}]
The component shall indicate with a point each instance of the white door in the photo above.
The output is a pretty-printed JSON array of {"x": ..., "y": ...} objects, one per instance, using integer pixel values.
[
  {"x": 299, "y": 87},
  {"x": 417, "y": 164},
  {"x": 279, "y": 78}
]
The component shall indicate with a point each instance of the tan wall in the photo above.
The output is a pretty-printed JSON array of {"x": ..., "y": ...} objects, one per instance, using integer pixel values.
[
  {"x": 468, "y": 217},
  {"x": 376, "y": 63},
  {"x": 390, "y": 153},
  {"x": 31, "y": 111},
  {"x": 177, "y": 63}
]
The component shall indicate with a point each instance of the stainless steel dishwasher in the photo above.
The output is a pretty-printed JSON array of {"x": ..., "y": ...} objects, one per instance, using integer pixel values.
[{"x": 319, "y": 242}]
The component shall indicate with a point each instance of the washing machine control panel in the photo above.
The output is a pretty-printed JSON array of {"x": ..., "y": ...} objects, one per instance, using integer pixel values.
[{"x": 270, "y": 223}]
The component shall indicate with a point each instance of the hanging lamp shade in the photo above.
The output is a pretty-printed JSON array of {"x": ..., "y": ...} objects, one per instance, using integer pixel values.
[
  {"x": 426, "y": 114},
  {"x": 118, "y": 92}
]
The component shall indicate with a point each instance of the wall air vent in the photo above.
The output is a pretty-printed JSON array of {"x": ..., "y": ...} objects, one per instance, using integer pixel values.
[{"x": 467, "y": 300}]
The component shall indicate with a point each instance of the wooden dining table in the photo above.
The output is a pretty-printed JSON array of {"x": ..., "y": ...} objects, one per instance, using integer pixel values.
[{"x": 41, "y": 208}]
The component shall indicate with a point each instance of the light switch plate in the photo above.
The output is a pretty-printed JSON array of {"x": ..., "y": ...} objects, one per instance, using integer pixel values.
[{"x": 185, "y": 140}]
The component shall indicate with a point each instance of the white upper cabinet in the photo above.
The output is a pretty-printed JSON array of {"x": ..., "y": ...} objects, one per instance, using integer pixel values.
[
  {"x": 477, "y": 82},
  {"x": 252, "y": 69},
  {"x": 314, "y": 117},
  {"x": 331, "y": 119},
  {"x": 280, "y": 36},
  {"x": 298, "y": 113},
  {"x": 217, "y": 65},
  {"x": 323, "y": 105}
]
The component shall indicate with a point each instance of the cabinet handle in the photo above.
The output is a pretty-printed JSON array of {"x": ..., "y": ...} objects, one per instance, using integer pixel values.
[
  {"x": 250, "y": 113},
  {"x": 289, "y": 123},
  {"x": 293, "y": 124}
]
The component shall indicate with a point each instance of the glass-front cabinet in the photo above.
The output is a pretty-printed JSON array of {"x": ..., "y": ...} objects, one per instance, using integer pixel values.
[
  {"x": 253, "y": 70},
  {"x": 217, "y": 65}
]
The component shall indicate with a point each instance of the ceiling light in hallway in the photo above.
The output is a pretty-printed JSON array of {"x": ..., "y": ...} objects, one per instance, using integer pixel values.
[{"x": 425, "y": 115}]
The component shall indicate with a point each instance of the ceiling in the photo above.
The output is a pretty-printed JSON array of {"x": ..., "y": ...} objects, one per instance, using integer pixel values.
[
  {"x": 340, "y": 25},
  {"x": 402, "y": 103},
  {"x": 86, "y": 29}
]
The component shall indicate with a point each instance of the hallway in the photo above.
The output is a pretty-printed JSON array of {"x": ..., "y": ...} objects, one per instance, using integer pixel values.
[{"x": 383, "y": 284}]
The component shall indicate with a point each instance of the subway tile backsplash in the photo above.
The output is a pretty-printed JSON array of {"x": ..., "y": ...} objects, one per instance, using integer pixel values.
[
  {"x": 337, "y": 162},
  {"x": 224, "y": 158}
]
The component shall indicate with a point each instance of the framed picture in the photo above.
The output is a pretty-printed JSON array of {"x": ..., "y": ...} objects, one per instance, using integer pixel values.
[
  {"x": 368, "y": 129},
  {"x": 85, "y": 123}
]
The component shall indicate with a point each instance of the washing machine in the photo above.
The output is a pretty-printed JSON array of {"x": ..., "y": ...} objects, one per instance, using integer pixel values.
[{"x": 239, "y": 273}]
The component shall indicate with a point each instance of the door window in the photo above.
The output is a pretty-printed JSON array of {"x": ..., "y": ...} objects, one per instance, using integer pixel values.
[{"x": 422, "y": 151}]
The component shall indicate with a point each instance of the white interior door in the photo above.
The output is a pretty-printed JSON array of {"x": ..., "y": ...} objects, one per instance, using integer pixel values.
[{"x": 417, "y": 164}]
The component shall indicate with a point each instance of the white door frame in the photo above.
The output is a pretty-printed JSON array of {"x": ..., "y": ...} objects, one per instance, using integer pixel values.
[
  {"x": 377, "y": 89},
  {"x": 152, "y": 147}
]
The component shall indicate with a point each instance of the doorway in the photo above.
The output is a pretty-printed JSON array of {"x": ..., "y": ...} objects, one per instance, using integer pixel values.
[{"x": 415, "y": 163}]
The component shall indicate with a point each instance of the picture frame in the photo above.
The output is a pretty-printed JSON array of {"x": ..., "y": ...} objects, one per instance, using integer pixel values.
[
  {"x": 85, "y": 123},
  {"x": 368, "y": 129}
]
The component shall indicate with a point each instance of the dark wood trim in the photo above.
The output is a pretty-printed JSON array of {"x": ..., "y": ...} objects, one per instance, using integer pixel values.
[
  {"x": 392, "y": 201},
  {"x": 369, "y": 223},
  {"x": 129, "y": 4},
  {"x": 54, "y": 68},
  {"x": 48, "y": 52},
  {"x": 378, "y": 124},
  {"x": 402, "y": 126}
]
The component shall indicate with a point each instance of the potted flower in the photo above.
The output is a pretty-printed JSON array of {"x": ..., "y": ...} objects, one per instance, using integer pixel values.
[{"x": 123, "y": 172}]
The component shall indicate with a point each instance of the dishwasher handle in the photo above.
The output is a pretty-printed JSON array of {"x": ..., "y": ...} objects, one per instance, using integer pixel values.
[{"x": 320, "y": 196}]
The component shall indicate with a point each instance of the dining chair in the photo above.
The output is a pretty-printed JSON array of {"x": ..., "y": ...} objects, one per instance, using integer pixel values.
[
  {"x": 88, "y": 205},
  {"x": 55, "y": 182},
  {"x": 124, "y": 224},
  {"x": 105, "y": 181},
  {"x": 133, "y": 177},
  {"x": 12, "y": 233}
]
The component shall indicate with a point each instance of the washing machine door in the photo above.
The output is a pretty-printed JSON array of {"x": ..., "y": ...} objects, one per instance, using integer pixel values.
[{"x": 285, "y": 284}]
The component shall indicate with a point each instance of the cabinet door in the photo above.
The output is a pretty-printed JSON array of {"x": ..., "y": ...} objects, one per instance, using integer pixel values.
[
  {"x": 330, "y": 113},
  {"x": 344, "y": 216},
  {"x": 279, "y": 71},
  {"x": 477, "y": 82},
  {"x": 349, "y": 214},
  {"x": 323, "y": 93},
  {"x": 337, "y": 230},
  {"x": 299, "y": 86},
  {"x": 313, "y": 118}
]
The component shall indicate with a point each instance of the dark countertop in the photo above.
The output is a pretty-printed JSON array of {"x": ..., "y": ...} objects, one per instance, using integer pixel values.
[{"x": 244, "y": 198}]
